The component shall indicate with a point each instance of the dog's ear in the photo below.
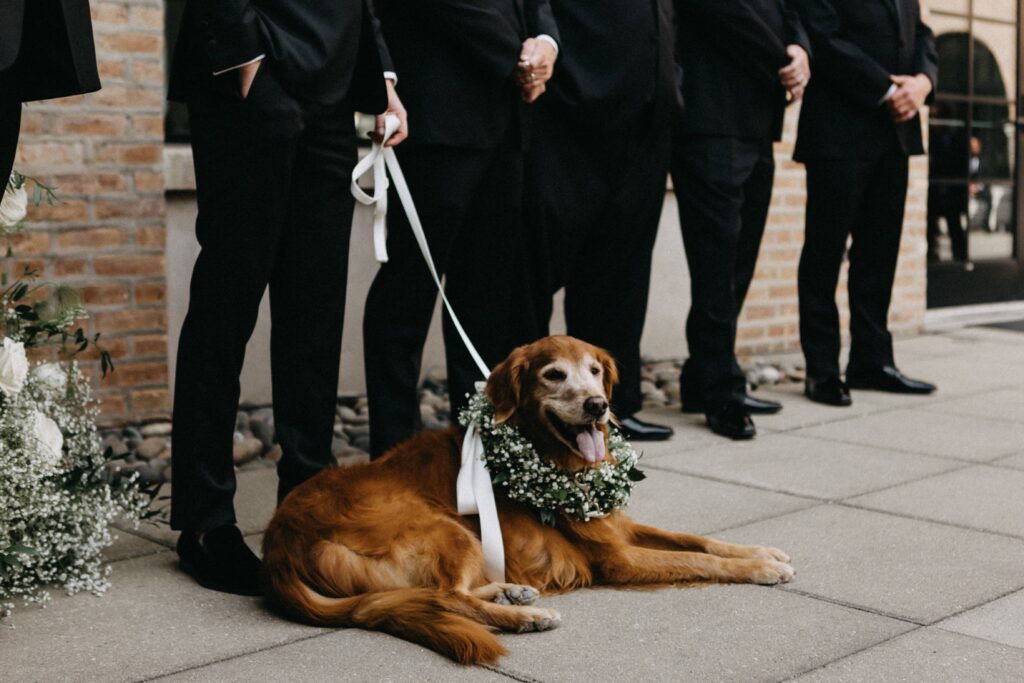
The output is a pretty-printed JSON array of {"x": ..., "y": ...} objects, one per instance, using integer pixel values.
[
  {"x": 505, "y": 385},
  {"x": 610, "y": 374}
]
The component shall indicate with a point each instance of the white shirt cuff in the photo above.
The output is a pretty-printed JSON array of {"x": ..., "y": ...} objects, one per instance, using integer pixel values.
[
  {"x": 233, "y": 68},
  {"x": 550, "y": 41},
  {"x": 888, "y": 94},
  {"x": 391, "y": 76}
]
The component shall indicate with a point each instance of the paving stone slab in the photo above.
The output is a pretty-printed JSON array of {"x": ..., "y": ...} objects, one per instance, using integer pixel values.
[
  {"x": 154, "y": 620},
  {"x": 959, "y": 375},
  {"x": 717, "y": 633},
  {"x": 989, "y": 498},
  {"x": 806, "y": 466},
  {"x": 692, "y": 433},
  {"x": 1014, "y": 461},
  {"x": 1002, "y": 404},
  {"x": 798, "y": 411},
  {"x": 127, "y": 546},
  {"x": 349, "y": 655},
  {"x": 927, "y": 433},
  {"x": 916, "y": 570},
  {"x": 936, "y": 345},
  {"x": 681, "y": 503},
  {"x": 928, "y": 654},
  {"x": 1001, "y": 621}
]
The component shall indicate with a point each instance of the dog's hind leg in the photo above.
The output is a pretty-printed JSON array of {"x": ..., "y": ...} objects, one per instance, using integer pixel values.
[{"x": 659, "y": 539}]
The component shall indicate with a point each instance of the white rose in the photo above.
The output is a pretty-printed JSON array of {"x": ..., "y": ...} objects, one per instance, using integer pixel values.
[
  {"x": 13, "y": 366},
  {"x": 52, "y": 375},
  {"x": 51, "y": 441},
  {"x": 14, "y": 206}
]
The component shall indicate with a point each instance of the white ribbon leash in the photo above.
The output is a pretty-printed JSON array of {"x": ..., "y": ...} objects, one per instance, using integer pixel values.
[{"x": 474, "y": 489}]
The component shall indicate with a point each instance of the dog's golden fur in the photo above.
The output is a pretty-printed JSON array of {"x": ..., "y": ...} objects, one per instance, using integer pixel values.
[{"x": 381, "y": 546}]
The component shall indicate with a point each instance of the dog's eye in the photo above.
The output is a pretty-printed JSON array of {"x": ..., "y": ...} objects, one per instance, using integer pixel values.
[
  {"x": 595, "y": 370},
  {"x": 554, "y": 375}
]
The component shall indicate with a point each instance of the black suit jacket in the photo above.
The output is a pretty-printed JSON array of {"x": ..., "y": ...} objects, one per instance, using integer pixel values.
[
  {"x": 52, "y": 43},
  {"x": 456, "y": 61},
  {"x": 617, "y": 59},
  {"x": 731, "y": 52},
  {"x": 858, "y": 46},
  {"x": 319, "y": 50}
]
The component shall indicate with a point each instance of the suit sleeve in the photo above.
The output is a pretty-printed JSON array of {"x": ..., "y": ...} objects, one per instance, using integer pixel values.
[
  {"x": 540, "y": 20},
  {"x": 926, "y": 57},
  {"x": 233, "y": 36},
  {"x": 796, "y": 34},
  {"x": 382, "y": 46},
  {"x": 840, "y": 60},
  {"x": 756, "y": 45},
  {"x": 492, "y": 41}
]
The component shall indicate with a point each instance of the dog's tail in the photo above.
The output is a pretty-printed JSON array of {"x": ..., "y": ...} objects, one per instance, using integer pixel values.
[{"x": 429, "y": 617}]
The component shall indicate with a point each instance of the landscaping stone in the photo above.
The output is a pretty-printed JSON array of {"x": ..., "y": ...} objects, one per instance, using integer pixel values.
[
  {"x": 157, "y": 429},
  {"x": 151, "y": 447}
]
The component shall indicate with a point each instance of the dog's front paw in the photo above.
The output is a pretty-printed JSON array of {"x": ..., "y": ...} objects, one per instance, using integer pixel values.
[
  {"x": 537, "y": 619},
  {"x": 771, "y": 572},
  {"x": 774, "y": 554},
  {"x": 512, "y": 594}
]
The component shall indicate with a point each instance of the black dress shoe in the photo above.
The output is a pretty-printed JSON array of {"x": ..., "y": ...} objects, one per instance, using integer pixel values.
[
  {"x": 831, "y": 392},
  {"x": 732, "y": 421},
  {"x": 889, "y": 379},
  {"x": 638, "y": 430},
  {"x": 754, "y": 406},
  {"x": 221, "y": 561}
]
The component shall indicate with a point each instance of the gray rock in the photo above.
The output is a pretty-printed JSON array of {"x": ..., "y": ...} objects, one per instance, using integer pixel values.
[
  {"x": 242, "y": 421},
  {"x": 356, "y": 431},
  {"x": 148, "y": 474},
  {"x": 263, "y": 414},
  {"x": 362, "y": 404},
  {"x": 648, "y": 387},
  {"x": 151, "y": 447},
  {"x": 351, "y": 456},
  {"x": 273, "y": 455},
  {"x": 672, "y": 391},
  {"x": 157, "y": 429},
  {"x": 362, "y": 443},
  {"x": 246, "y": 449},
  {"x": 262, "y": 431},
  {"x": 117, "y": 446},
  {"x": 348, "y": 415}
]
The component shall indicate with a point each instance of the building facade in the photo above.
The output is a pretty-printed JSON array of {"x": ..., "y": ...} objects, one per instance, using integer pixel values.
[{"x": 123, "y": 231}]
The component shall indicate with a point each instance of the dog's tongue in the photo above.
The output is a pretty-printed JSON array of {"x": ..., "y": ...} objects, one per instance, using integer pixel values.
[{"x": 591, "y": 443}]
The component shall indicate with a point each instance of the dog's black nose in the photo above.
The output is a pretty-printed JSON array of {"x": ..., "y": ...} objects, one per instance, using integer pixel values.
[{"x": 596, "y": 406}]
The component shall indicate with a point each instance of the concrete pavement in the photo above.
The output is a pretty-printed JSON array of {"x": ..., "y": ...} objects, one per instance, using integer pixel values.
[{"x": 904, "y": 517}]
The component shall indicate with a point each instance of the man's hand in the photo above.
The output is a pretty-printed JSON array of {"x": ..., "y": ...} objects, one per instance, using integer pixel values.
[
  {"x": 536, "y": 67},
  {"x": 910, "y": 95},
  {"x": 246, "y": 75},
  {"x": 795, "y": 76},
  {"x": 395, "y": 107}
]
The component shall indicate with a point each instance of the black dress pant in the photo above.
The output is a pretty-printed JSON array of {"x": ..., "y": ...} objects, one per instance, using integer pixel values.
[
  {"x": 864, "y": 198},
  {"x": 724, "y": 189},
  {"x": 10, "y": 124},
  {"x": 274, "y": 209},
  {"x": 593, "y": 206},
  {"x": 470, "y": 204}
]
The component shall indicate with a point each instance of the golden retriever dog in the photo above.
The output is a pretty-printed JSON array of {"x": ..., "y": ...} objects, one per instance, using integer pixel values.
[{"x": 381, "y": 546}]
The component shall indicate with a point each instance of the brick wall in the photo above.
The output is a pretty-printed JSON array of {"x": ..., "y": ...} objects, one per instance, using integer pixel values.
[
  {"x": 104, "y": 153},
  {"x": 770, "y": 320}
]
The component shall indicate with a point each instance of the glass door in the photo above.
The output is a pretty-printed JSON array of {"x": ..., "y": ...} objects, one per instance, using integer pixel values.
[{"x": 974, "y": 246}]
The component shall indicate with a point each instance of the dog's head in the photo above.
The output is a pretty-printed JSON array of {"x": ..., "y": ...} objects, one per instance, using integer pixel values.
[{"x": 556, "y": 391}]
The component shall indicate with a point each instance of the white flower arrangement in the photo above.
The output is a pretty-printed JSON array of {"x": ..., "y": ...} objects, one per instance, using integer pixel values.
[
  {"x": 528, "y": 478},
  {"x": 57, "y": 497}
]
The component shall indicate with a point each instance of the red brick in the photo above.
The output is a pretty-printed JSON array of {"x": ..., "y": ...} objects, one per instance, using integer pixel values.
[
  {"x": 92, "y": 238},
  {"x": 151, "y": 402},
  {"x": 150, "y": 345},
  {"x": 127, "y": 264},
  {"x": 137, "y": 374},
  {"x": 150, "y": 293},
  {"x": 105, "y": 294},
  {"x": 131, "y": 321}
]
